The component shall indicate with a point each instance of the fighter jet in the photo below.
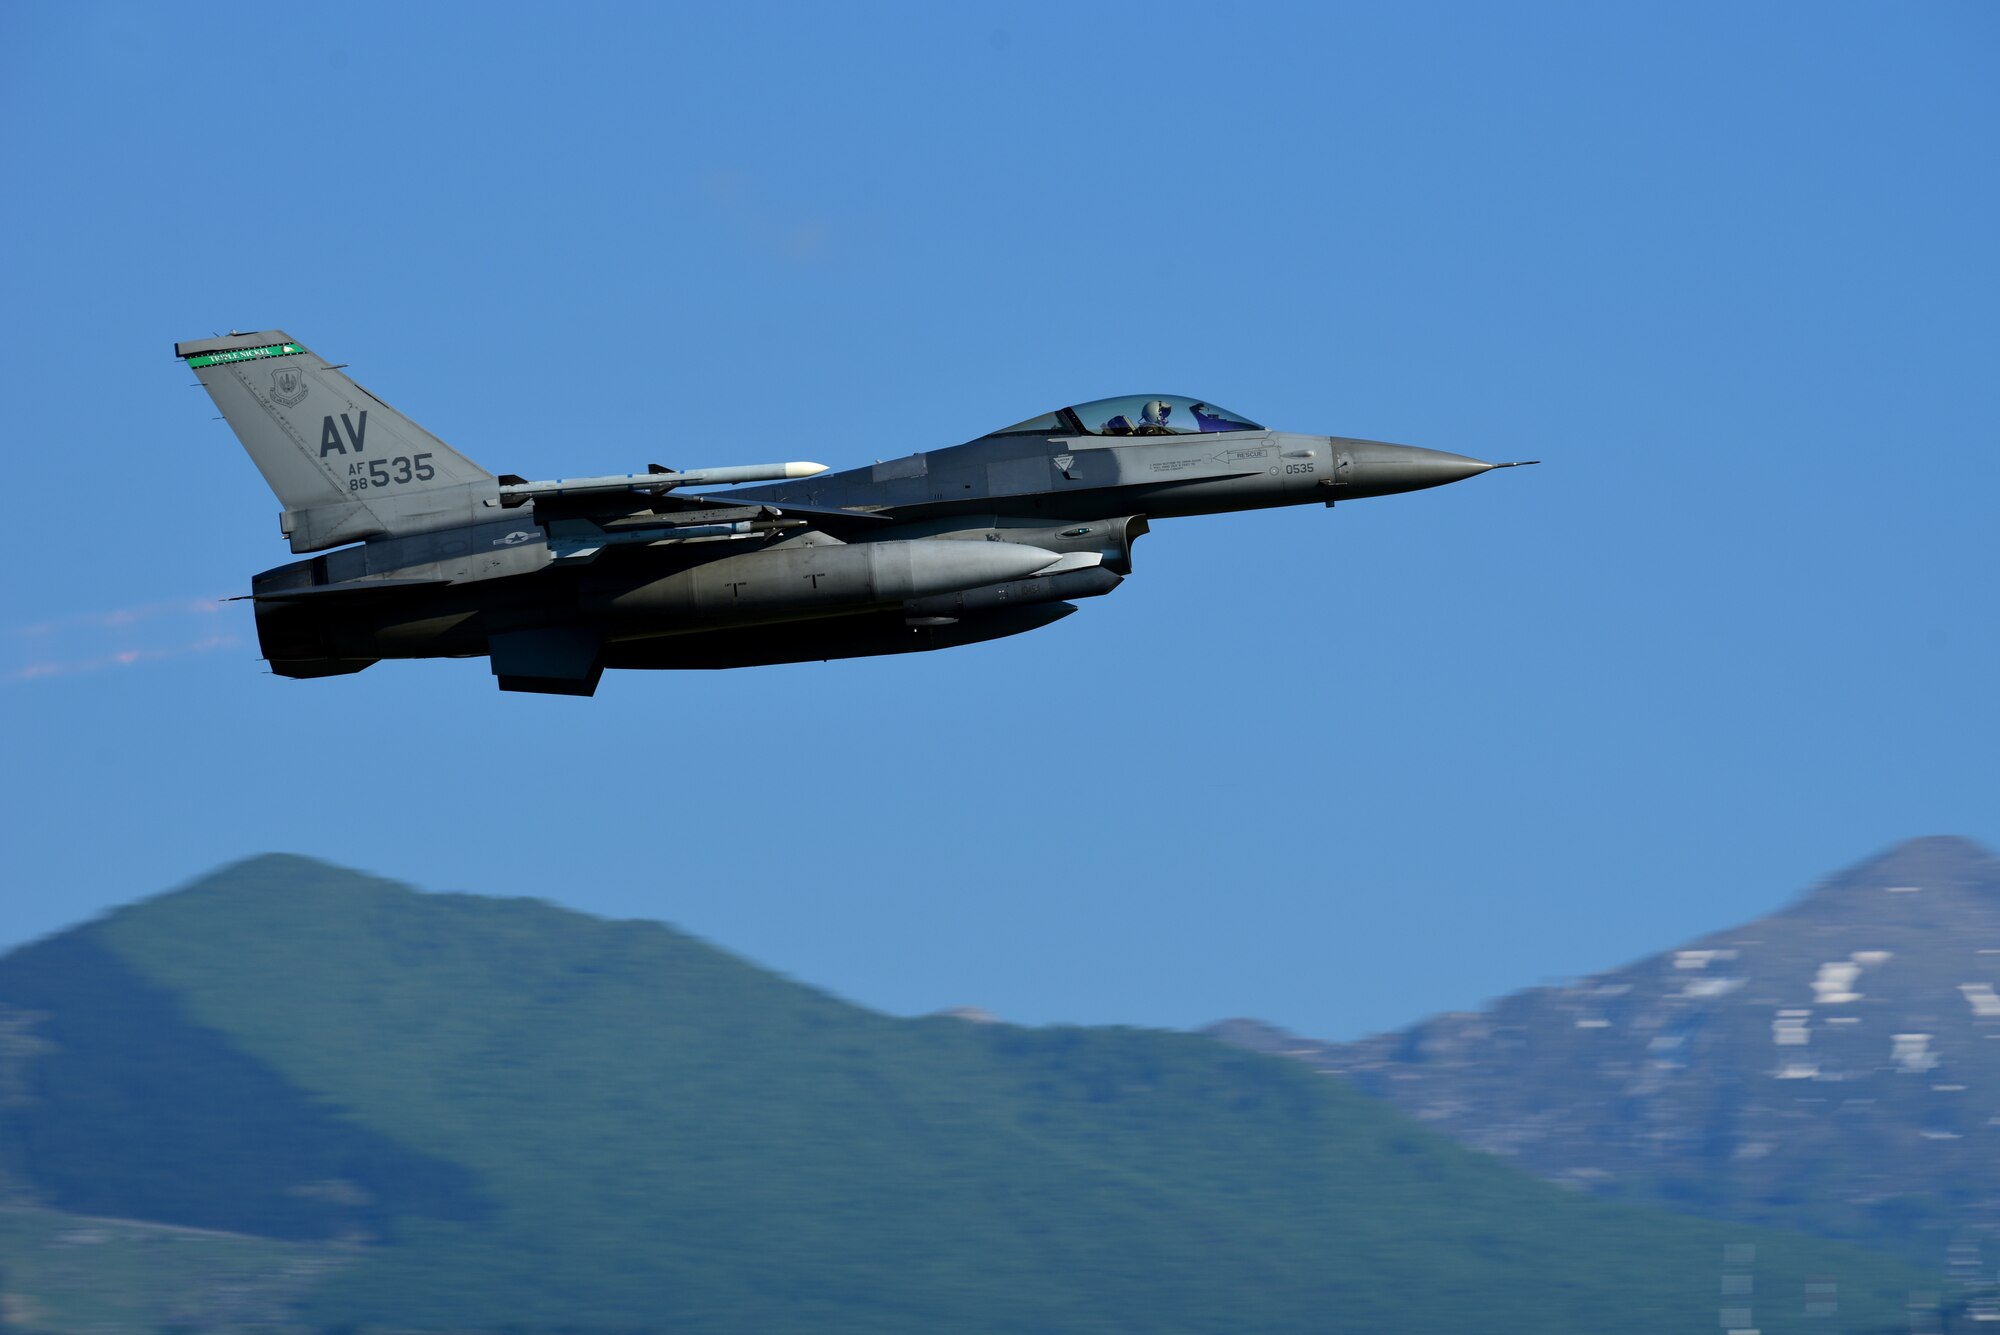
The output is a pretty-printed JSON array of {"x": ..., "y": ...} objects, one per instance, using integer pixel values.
[{"x": 425, "y": 554}]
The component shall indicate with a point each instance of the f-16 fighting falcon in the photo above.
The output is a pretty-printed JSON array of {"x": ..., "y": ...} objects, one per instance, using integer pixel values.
[{"x": 425, "y": 554}]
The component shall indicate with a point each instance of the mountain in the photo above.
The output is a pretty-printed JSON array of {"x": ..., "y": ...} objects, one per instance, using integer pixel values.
[
  {"x": 291, "y": 1093},
  {"x": 1833, "y": 1067}
]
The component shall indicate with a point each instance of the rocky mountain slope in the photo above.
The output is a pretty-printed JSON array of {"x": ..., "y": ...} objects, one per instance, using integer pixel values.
[{"x": 1833, "y": 1067}]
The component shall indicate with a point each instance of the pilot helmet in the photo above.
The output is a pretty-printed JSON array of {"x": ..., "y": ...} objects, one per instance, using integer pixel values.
[{"x": 1156, "y": 412}]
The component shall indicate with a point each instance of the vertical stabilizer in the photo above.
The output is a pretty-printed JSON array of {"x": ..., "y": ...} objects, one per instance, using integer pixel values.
[{"x": 346, "y": 465}]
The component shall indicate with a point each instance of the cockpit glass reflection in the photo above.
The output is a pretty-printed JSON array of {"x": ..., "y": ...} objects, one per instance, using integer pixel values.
[{"x": 1048, "y": 424}]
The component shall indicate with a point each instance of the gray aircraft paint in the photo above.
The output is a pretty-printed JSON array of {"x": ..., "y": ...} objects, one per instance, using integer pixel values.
[{"x": 422, "y": 553}]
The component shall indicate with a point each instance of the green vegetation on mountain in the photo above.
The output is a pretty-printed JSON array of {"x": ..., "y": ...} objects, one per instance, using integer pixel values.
[
  {"x": 550, "y": 1121},
  {"x": 119, "y": 1129}
]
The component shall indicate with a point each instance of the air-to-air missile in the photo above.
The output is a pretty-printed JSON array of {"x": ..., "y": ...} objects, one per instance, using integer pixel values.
[{"x": 421, "y": 553}]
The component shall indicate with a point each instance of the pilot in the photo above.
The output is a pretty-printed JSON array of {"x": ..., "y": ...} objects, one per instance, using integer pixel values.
[{"x": 1153, "y": 419}]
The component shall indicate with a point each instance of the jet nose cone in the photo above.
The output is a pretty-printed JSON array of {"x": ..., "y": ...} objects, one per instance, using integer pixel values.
[
  {"x": 1448, "y": 467},
  {"x": 1384, "y": 469}
]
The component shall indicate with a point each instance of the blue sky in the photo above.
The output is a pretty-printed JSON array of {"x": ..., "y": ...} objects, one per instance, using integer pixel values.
[{"x": 1729, "y": 270}]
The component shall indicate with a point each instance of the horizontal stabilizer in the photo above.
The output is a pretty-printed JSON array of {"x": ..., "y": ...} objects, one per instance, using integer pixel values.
[{"x": 351, "y": 589}]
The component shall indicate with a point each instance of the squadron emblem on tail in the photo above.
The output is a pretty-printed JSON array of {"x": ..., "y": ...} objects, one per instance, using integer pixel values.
[{"x": 288, "y": 386}]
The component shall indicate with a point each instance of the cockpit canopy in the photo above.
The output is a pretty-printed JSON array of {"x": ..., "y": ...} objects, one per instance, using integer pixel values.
[{"x": 1134, "y": 415}]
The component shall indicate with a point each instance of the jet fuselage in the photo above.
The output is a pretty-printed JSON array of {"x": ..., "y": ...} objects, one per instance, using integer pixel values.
[{"x": 555, "y": 581}]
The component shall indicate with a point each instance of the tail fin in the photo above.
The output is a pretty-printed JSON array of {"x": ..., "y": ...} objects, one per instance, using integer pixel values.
[{"x": 346, "y": 465}]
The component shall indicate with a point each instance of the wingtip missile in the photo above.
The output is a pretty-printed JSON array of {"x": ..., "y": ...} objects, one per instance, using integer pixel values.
[
  {"x": 718, "y": 477},
  {"x": 658, "y": 479}
]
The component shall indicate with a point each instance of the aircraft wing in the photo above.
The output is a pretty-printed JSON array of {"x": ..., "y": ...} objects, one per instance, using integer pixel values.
[
  {"x": 605, "y": 507},
  {"x": 823, "y": 517}
]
